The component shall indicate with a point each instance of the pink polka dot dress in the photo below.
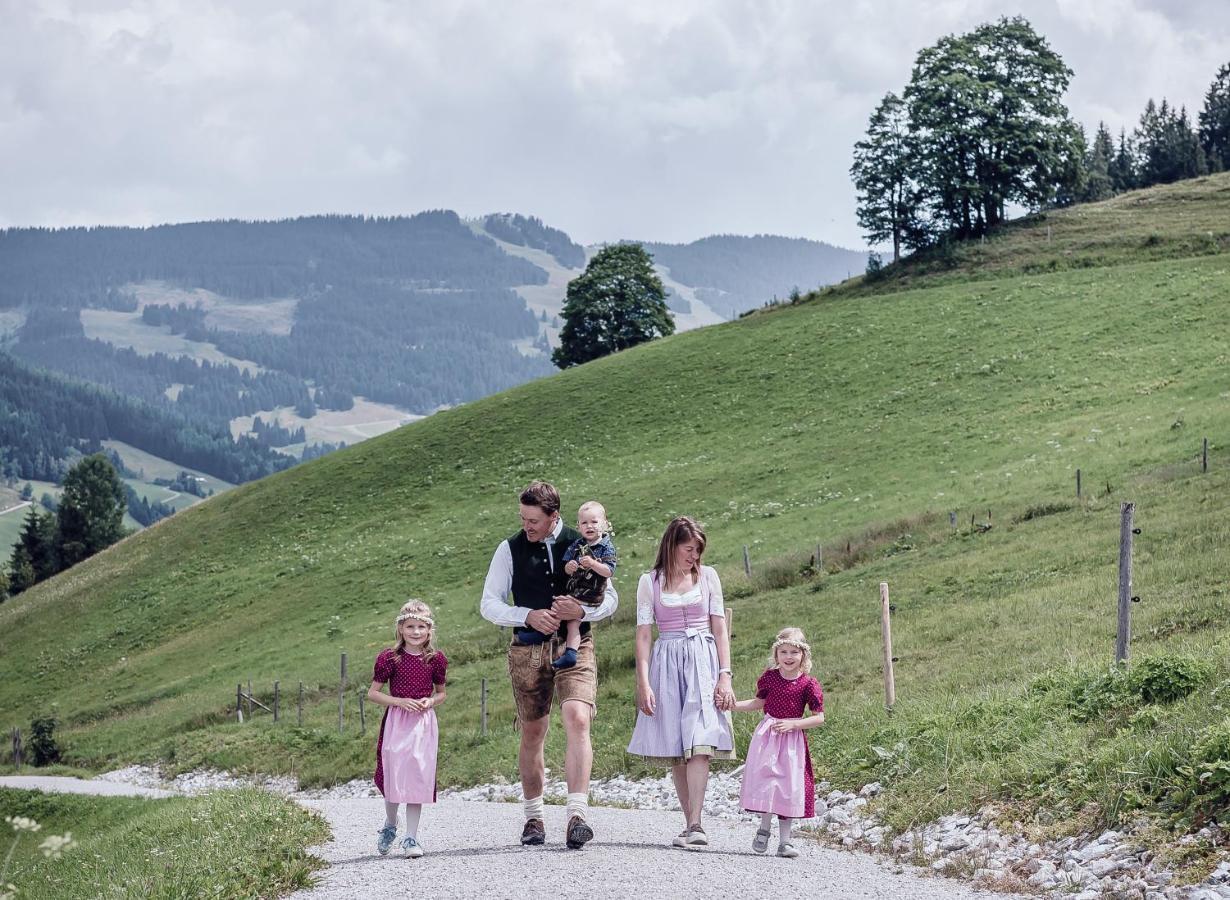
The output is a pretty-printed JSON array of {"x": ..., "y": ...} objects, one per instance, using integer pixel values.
[
  {"x": 777, "y": 777},
  {"x": 407, "y": 746}
]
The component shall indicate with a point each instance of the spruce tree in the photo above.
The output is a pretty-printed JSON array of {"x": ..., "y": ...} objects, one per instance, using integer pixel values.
[{"x": 1215, "y": 122}]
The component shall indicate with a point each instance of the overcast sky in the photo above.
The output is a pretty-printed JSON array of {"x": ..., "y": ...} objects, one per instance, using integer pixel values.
[{"x": 653, "y": 119}]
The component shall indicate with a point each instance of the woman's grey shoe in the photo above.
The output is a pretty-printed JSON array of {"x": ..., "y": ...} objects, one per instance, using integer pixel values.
[
  {"x": 787, "y": 850},
  {"x": 681, "y": 839},
  {"x": 760, "y": 843},
  {"x": 696, "y": 838}
]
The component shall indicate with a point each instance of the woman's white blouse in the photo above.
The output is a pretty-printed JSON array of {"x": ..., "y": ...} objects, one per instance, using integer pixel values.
[{"x": 644, "y": 596}]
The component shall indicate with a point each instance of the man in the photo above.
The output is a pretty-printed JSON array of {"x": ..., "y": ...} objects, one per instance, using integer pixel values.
[{"x": 530, "y": 566}]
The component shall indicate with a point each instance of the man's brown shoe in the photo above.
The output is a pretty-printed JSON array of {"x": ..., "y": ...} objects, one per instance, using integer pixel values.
[
  {"x": 534, "y": 833},
  {"x": 579, "y": 833}
]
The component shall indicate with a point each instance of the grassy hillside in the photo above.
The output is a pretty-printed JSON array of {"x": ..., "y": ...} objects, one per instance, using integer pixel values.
[{"x": 852, "y": 421}]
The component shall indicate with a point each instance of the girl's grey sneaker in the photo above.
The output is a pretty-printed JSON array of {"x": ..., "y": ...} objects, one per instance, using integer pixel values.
[
  {"x": 696, "y": 838},
  {"x": 414, "y": 851},
  {"x": 385, "y": 838},
  {"x": 760, "y": 843},
  {"x": 787, "y": 850}
]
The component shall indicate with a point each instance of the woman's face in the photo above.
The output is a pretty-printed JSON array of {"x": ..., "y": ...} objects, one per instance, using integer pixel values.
[
  {"x": 415, "y": 632},
  {"x": 687, "y": 555}
]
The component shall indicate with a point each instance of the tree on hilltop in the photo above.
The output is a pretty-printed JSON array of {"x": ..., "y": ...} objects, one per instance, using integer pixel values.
[
  {"x": 34, "y": 553},
  {"x": 616, "y": 303},
  {"x": 883, "y": 176},
  {"x": 1098, "y": 161},
  {"x": 1215, "y": 122},
  {"x": 91, "y": 511}
]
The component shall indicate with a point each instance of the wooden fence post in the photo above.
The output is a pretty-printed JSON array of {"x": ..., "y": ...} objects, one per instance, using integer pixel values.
[
  {"x": 1123, "y": 641},
  {"x": 301, "y": 703},
  {"x": 239, "y": 703},
  {"x": 277, "y": 705},
  {"x": 17, "y": 748},
  {"x": 1078, "y": 484},
  {"x": 886, "y": 632},
  {"x": 362, "y": 714},
  {"x": 819, "y": 557},
  {"x": 341, "y": 698},
  {"x": 1204, "y": 456},
  {"x": 482, "y": 706},
  {"x": 952, "y": 520},
  {"x": 249, "y": 699},
  {"x": 747, "y": 562}
]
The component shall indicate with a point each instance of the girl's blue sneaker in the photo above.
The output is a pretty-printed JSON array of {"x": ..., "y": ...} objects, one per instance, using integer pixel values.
[
  {"x": 387, "y": 834},
  {"x": 412, "y": 848}
]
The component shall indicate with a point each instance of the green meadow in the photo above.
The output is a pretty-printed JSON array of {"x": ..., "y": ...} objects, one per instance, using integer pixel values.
[
  {"x": 230, "y": 844},
  {"x": 857, "y": 419}
]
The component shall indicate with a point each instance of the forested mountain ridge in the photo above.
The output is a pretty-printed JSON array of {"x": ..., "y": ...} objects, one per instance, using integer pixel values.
[{"x": 208, "y": 326}]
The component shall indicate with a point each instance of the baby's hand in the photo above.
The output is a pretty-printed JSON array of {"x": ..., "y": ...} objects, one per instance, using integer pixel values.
[
  {"x": 570, "y": 567},
  {"x": 586, "y": 562}
]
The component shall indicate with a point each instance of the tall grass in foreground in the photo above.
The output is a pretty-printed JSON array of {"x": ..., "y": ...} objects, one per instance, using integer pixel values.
[{"x": 231, "y": 844}]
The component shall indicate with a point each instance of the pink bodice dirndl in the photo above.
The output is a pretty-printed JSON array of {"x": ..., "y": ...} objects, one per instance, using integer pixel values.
[
  {"x": 777, "y": 777},
  {"x": 407, "y": 746}
]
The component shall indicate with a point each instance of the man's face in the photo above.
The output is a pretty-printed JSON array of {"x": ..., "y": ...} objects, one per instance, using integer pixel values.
[{"x": 537, "y": 522}]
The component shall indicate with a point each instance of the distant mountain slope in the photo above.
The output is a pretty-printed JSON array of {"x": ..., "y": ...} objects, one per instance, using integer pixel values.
[{"x": 733, "y": 274}]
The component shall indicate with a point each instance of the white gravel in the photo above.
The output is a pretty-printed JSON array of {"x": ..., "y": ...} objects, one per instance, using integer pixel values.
[{"x": 474, "y": 850}]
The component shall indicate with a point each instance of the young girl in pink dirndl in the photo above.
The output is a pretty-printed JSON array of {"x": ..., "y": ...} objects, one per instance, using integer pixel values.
[
  {"x": 406, "y": 749},
  {"x": 777, "y": 777}
]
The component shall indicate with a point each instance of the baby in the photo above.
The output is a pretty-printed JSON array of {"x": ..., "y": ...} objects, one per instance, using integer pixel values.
[{"x": 588, "y": 562}]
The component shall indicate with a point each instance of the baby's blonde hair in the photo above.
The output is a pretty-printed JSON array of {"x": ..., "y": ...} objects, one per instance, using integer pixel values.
[
  {"x": 415, "y": 609},
  {"x": 605, "y": 526},
  {"x": 794, "y": 638}
]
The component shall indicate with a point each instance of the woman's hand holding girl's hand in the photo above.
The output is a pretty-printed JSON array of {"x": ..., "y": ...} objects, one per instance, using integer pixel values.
[
  {"x": 723, "y": 696},
  {"x": 781, "y": 726},
  {"x": 646, "y": 702}
]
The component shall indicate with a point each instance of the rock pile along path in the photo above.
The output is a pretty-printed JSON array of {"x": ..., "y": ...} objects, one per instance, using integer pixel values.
[{"x": 473, "y": 849}]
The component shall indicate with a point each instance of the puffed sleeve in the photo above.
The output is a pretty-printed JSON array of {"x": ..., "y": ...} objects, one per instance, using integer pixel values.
[
  {"x": 383, "y": 670},
  {"x": 815, "y": 696},
  {"x": 439, "y": 668},
  {"x": 763, "y": 685},
  {"x": 644, "y": 600},
  {"x": 717, "y": 606}
]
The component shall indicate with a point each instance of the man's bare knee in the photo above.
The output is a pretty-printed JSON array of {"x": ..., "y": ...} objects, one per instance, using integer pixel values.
[
  {"x": 577, "y": 715},
  {"x": 534, "y": 732}
]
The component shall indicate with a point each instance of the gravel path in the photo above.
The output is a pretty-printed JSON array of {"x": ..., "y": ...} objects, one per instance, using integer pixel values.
[
  {"x": 474, "y": 848},
  {"x": 59, "y": 784}
]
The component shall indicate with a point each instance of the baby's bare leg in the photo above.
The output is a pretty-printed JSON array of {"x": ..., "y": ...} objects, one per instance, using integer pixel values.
[{"x": 573, "y": 641}]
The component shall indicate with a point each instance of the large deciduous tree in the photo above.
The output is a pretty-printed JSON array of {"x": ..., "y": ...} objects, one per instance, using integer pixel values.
[
  {"x": 986, "y": 110},
  {"x": 616, "y": 303},
  {"x": 91, "y": 510},
  {"x": 884, "y": 178}
]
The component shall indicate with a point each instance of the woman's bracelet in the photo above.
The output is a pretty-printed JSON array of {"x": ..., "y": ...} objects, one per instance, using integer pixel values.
[{"x": 725, "y": 671}]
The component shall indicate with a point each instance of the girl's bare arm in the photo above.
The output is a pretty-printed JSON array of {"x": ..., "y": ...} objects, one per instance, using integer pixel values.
[{"x": 753, "y": 705}]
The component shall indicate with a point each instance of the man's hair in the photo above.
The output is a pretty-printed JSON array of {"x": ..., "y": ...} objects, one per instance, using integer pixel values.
[{"x": 543, "y": 495}]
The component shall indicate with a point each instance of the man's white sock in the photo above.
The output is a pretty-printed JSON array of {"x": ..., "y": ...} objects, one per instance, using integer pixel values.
[
  {"x": 533, "y": 808},
  {"x": 578, "y": 805}
]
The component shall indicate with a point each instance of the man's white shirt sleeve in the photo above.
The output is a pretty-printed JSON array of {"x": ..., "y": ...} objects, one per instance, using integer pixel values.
[
  {"x": 606, "y": 609},
  {"x": 494, "y": 606}
]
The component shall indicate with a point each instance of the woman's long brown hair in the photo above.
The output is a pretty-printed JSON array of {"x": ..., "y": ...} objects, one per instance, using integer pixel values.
[{"x": 680, "y": 529}]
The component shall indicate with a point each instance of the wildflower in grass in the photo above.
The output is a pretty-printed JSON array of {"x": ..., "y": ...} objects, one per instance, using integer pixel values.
[
  {"x": 8, "y": 891},
  {"x": 21, "y": 823},
  {"x": 54, "y": 845}
]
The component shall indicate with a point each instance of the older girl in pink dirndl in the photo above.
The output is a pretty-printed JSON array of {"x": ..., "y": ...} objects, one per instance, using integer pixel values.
[
  {"x": 406, "y": 749},
  {"x": 777, "y": 777}
]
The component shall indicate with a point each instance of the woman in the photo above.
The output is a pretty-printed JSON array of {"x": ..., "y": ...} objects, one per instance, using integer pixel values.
[{"x": 683, "y": 691}]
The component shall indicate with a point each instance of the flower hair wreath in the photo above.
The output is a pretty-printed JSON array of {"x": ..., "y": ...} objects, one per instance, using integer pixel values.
[
  {"x": 417, "y": 617},
  {"x": 790, "y": 642}
]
